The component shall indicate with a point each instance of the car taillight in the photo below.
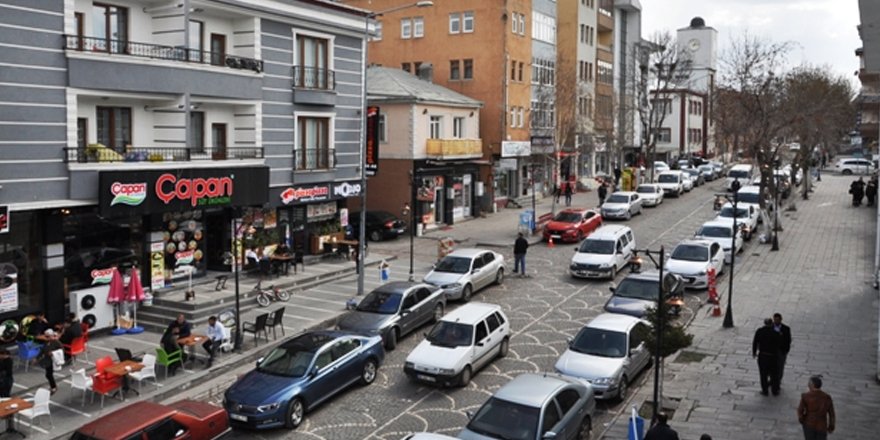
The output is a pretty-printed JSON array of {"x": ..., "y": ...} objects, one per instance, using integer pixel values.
[{"x": 389, "y": 224}]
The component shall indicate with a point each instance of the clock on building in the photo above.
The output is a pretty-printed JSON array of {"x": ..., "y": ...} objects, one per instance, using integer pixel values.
[{"x": 694, "y": 44}]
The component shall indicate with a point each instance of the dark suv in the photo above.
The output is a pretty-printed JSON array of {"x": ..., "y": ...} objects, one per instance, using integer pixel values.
[{"x": 381, "y": 225}]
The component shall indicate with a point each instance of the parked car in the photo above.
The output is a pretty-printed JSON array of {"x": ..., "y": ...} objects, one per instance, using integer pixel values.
[
  {"x": 572, "y": 225},
  {"x": 695, "y": 175},
  {"x": 850, "y": 165},
  {"x": 751, "y": 196},
  {"x": 637, "y": 292},
  {"x": 672, "y": 183},
  {"x": 687, "y": 184},
  {"x": 650, "y": 193},
  {"x": 746, "y": 218},
  {"x": 721, "y": 232},
  {"x": 381, "y": 225},
  {"x": 622, "y": 204},
  {"x": 603, "y": 253},
  {"x": 186, "y": 419},
  {"x": 458, "y": 345},
  {"x": 395, "y": 309},
  {"x": 428, "y": 436},
  {"x": 465, "y": 271},
  {"x": 692, "y": 259},
  {"x": 740, "y": 172},
  {"x": 535, "y": 406},
  {"x": 299, "y": 375},
  {"x": 608, "y": 352},
  {"x": 708, "y": 172}
]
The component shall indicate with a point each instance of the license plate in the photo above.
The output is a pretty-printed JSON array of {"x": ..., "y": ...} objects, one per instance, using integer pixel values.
[
  {"x": 593, "y": 274},
  {"x": 400, "y": 231},
  {"x": 238, "y": 417},
  {"x": 426, "y": 377},
  {"x": 556, "y": 236}
]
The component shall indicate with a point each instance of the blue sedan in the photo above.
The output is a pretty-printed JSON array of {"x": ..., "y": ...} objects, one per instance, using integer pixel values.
[{"x": 299, "y": 375}]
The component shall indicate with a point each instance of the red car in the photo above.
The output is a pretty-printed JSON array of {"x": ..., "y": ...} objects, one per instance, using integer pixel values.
[
  {"x": 572, "y": 224},
  {"x": 186, "y": 419}
]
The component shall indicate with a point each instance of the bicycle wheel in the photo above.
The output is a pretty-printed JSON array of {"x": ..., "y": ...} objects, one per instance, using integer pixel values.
[
  {"x": 263, "y": 299},
  {"x": 283, "y": 295}
]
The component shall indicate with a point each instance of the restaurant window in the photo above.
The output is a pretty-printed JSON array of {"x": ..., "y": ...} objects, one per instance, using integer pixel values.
[
  {"x": 313, "y": 143},
  {"x": 110, "y": 27},
  {"x": 20, "y": 265},
  {"x": 114, "y": 127},
  {"x": 93, "y": 243}
]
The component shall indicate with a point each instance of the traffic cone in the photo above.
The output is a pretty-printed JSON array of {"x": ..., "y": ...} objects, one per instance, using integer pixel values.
[
  {"x": 550, "y": 243},
  {"x": 716, "y": 310},
  {"x": 713, "y": 293}
]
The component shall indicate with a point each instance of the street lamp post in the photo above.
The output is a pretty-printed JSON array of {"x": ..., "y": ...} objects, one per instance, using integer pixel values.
[
  {"x": 775, "y": 206},
  {"x": 728, "y": 315},
  {"x": 362, "y": 229},
  {"x": 412, "y": 218}
]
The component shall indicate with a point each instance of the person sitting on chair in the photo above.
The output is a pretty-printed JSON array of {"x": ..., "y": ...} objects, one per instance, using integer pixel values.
[
  {"x": 72, "y": 330},
  {"x": 215, "y": 338}
]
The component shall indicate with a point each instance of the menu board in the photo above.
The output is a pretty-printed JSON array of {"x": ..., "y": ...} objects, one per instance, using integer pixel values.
[
  {"x": 8, "y": 287},
  {"x": 157, "y": 265},
  {"x": 183, "y": 239}
]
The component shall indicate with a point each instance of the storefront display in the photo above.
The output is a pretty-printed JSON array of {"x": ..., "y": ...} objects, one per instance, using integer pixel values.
[{"x": 183, "y": 237}]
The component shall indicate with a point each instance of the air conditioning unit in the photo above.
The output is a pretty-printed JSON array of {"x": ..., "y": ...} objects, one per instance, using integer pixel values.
[{"x": 91, "y": 307}]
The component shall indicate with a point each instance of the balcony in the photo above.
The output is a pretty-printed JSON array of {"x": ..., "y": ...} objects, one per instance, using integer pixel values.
[
  {"x": 454, "y": 148},
  {"x": 606, "y": 15},
  {"x": 97, "y": 153},
  {"x": 314, "y": 85}
]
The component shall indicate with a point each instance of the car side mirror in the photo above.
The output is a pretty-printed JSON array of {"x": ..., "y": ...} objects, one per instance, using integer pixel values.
[
  {"x": 612, "y": 287},
  {"x": 477, "y": 270},
  {"x": 405, "y": 312},
  {"x": 479, "y": 344},
  {"x": 259, "y": 361},
  {"x": 549, "y": 435},
  {"x": 313, "y": 372},
  {"x": 469, "y": 414}
]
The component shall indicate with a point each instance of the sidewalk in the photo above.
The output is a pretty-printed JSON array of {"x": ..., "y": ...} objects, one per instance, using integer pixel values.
[{"x": 820, "y": 281}]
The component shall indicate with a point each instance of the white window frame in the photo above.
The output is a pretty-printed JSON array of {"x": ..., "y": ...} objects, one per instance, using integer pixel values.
[
  {"x": 513, "y": 21},
  {"x": 467, "y": 17},
  {"x": 418, "y": 27},
  {"x": 383, "y": 128},
  {"x": 513, "y": 117},
  {"x": 435, "y": 127},
  {"x": 377, "y": 36},
  {"x": 458, "y": 127},
  {"x": 331, "y": 137},
  {"x": 406, "y": 28},
  {"x": 522, "y": 24},
  {"x": 455, "y": 18}
]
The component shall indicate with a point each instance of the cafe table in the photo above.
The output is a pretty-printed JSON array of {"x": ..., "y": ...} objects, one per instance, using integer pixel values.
[
  {"x": 191, "y": 342},
  {"x": 9, "y": 408},
  {"x": 123, "y": 369}
]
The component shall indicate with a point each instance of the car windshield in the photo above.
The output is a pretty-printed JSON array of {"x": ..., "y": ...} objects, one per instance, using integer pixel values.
[
  {"x": 618, "y": 198},
  {"x": 598, "y": 342},
  {"x": 748, "y": 197},
  {"x": 605, "y": 247},
  {"x": 692, "y": 171},
  {"x": 646, "y": 189},
  {"x": 668, "y": 178},
  {"x": 289, "y": 362},
  {"x": 501, "y": 419},
  {"x": 567, "y": 217},
  {"x": 637, "y": 289},
  {"x": 689, "y": 252},
  {"x": 738, "y": 174},
  {"x": 706, "y": 168},
  {"x": 714, "y": 231},
  {"x": 454, "y": 265},
  {"x": 727, "y": 211},
  {"x": 450, "y": 334},
  {"x": 378, "y": 301}
]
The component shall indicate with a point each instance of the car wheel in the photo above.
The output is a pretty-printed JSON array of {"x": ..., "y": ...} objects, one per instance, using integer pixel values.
[
  {"x": 438, "y": 313},
  {"x": 499, "y": 277},
  {"x": 580, "y": 236},
  {"x": 295, "y": 412},
  {"x": 391, "y": 339},
  {"x": 375, "y": 236},
  {"x": 505, "y": 347},
  {"x": 466, "y": 292},
  {"x": 846, "y": 172},
  {"x": 629, "y": 214},
  {"x": 585, "y": 432},
  {"x": 623, "y": 388},
  {"x": 613, "y": 273},
  {"x": 368, "y": 374},
  {"x": 465, "y": 376}
]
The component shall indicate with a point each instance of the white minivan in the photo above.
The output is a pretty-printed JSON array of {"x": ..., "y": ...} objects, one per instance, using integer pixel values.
[
  {"x": 458, "y": 345},
  {"x": 607, "y": 250},
  {"x": 672, "y": 183},
  {"x": 741, "y": 172}
]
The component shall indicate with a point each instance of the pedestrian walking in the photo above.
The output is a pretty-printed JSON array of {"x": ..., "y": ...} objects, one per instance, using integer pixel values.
[
  {"x": 45, "y": 358},
  {"x": 816, "y": 411},
  {"x": 871, "y": 191},
  {"x": 661, "y": 429},
  {"x": 617, "y": 173},
  {"x": 5, "y": 373},
  {"x": 857, "y": 189},
  {"x": 603, "y": 192},
  {"x": 557, "y": 191},
  {"x": 520, "y": 247},
  {"x": 784, "y": 333},
  {"x": 568, "y": 192},
  {"x": 765, "y": 347}
]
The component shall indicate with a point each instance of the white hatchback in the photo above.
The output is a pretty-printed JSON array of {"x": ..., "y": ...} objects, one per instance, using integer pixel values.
[
  {"x": 692, "y": 259},
  {"x": 651, "y": 194},
  {"x": 721, "y": 232},
  {"x": 622, "y": 204}
]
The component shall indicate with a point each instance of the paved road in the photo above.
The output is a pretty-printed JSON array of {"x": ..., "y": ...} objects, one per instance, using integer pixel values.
[{"x": 545, "y": 310}]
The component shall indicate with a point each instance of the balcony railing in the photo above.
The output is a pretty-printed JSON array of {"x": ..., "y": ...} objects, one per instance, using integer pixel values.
[
  {"x": 314, "y": 159},
  {"x": 454, "y": 148},
  {"x": 96, "y": 153},
  {"x": 305, "y": 77},
  {"x": 160, "y": 52}
]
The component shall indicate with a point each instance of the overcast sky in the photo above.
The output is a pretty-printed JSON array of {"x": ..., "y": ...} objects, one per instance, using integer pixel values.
[{"x": 823, "y": 31}]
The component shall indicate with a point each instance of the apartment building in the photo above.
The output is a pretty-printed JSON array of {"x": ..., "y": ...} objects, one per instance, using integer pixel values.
[
  {"x": 628, "y": 52},
  {"x": 137, "y": 132},
  {"x": 481, "y": 50},
  {"x": 542, "y": 113}
]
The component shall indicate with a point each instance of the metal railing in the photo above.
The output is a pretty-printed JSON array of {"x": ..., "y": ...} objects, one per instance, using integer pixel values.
[
  {"x": 96, "y": 153},
  {"x": 305, "y": 77},
  {"x": 160, "y": 52},
  {"x": 316, "y": 159}
]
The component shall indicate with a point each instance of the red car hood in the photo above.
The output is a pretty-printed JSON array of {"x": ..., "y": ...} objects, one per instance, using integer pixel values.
[{"x": 559, "y": 226}]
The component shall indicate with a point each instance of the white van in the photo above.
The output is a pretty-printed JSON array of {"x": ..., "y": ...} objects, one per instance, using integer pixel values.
[
  {"x": 458, "y": 345},
  {"x": 741, "y": 172},
  {"x": 607, "y": 250},
  {"x": 672, "y": 182}
]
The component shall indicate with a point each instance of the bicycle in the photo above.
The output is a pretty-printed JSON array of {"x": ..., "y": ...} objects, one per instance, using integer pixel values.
[{"x": 267, "y": 295}]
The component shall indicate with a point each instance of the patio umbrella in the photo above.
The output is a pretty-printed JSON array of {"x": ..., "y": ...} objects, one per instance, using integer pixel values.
[
  {"x": 135, "y": 294},
  {"x": 115, "y": 296}
]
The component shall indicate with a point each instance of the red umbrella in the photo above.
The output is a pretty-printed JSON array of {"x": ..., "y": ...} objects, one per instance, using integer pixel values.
[
  {"x": 116, "y": 293},
  {"x": 135, "y": 294}
]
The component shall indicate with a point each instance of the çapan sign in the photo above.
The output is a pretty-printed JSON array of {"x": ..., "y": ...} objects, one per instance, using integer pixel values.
[
  {"x": 198, "y": 191},
  {"x": 131, "y": 194}
]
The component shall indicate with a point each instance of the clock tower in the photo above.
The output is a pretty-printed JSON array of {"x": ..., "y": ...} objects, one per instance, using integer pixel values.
[{"x": 702, "y": 43}]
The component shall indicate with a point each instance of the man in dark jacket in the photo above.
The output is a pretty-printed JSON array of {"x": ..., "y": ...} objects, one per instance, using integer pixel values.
[
  {"x": 603, "y": 192},
  {"x": 661, "y": 429},
  {"x": 784, "y": 332},
  {"x": 520, "y": 246},
  {"x": 766, "y": 346},
  {"x": 816, "y": 411}
]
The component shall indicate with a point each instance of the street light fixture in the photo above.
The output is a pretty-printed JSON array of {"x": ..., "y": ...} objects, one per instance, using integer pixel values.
[
  {"x": 775, "y": 205},
  {"x": 735, "y": 186},
  {"x": 362, "y": 229}
]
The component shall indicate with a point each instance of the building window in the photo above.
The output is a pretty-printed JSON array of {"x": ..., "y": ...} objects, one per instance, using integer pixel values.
[
  {"x": 663, "y": 135},
  {"x": 418, "y": 27},
  {"x": 606, "y": 72},
  {"x": 114, "y": 127},
  {"x": 454, "y": 69},
  {"x": 197, "y": 132},
  {"x": 82, "y": 133},
  {"x": 513, "y": 70},
  {"x": 406, "y": 28},
  {"x": 468, "y": 69},
  {"x": 311, "y": 71},
  {"x": 383, "y": 128},
  {"x": 435, "y": 127},
  {"x": 513, "y": 22},
  {"x": 662, "y": 106},
  {"x": 458, "y": 128},
  {"x": 519, "y": 71},
  {"x": 468, "y": 21},
  {"x": 454, "y": 23},
  {"x": 522, "y": 24},
  {"x": 313, "y": 149},
  {"x": 110, "y": 24},
  {"x": 406, "y": 67},
  {"x": 378, "y": 35},
  {"x": 196, "y": 40},
  {"x": 543, "y": 27}
]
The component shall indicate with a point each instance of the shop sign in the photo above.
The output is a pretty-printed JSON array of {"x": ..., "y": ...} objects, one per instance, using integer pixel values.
[
  {"x": 102, "y": 276},
  {"x": 371, "y": 158},
  {"x": 506, "y": 164},
  {"x": 149, "y": 191},
  {"x": 346, "y": 189},
  {"x": 321, "y": 210},
  {"x": 516, "y": 148},
  {"x": 184, "y": 258},
  {"x": 343, "y": 217},
  {"x": 157, "y": 265},
  {"x": 314, "y": 193},
  {"x": 8, "y": 287},
  {"x": 4, "y": 219}
]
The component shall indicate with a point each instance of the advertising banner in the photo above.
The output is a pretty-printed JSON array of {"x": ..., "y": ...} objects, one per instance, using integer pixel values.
[
  {"x": 8, "y": 288},
  {"x": 371, "y": 158},
  {"x": 157, "y": 265},
  {"x": 4, "y": 219}
]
